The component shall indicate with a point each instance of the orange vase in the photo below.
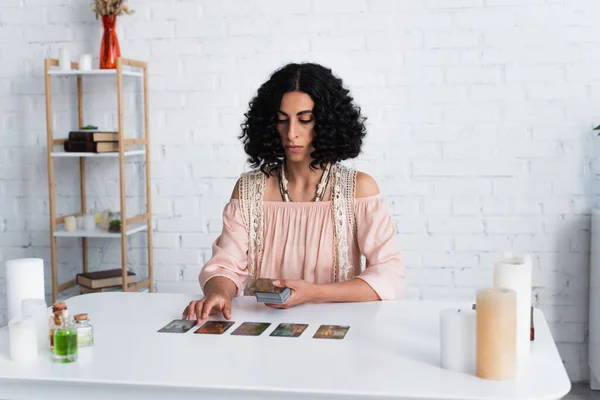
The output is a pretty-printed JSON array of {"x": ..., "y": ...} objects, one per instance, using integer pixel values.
[{"x": 109, "y": 48}]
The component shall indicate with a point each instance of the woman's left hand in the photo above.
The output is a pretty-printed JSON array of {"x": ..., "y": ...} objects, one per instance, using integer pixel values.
[{"x": 301, "y": 292}]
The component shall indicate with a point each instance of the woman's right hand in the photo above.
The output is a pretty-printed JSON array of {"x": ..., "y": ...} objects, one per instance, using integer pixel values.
[
  {"x": 209, "y": 305},
  {"x": 218, "y": 292}
]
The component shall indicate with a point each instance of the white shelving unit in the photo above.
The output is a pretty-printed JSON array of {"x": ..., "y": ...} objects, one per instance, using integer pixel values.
[{"x": 128, "y": 147}]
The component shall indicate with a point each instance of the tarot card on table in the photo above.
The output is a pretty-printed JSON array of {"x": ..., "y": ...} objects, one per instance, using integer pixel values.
[
  {"x": 215, "y": 327},
  {"x": 251, "y": 328},
  {"x": 178, "y": 326},
  {"x": 331, "y": 332},
  {"x": 289, "y": 330}
]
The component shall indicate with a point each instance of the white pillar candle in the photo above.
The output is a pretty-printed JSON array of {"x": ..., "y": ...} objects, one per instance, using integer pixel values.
[
  {"x": 90, "y": 222},
  {"x": 457, "y": 340},
  {"x": 515, "y": 273},
  {"x": 22, "y": 341},
  {"x": 38, "y": 311},
  {"x": 64, "y": 59},
  {"x": 24, "y": 280},
  {"x": 85, "y": 62},
  {"x": 70, "y": 224}
]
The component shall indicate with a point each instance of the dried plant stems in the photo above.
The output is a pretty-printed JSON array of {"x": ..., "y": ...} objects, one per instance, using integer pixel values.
[{"x": 110, "y": 7}]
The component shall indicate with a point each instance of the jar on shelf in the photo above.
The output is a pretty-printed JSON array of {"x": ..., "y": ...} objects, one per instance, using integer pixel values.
[{"x": 114, "y": 222}]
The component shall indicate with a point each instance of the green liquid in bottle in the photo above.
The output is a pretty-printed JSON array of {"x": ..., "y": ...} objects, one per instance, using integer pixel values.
[{"x": 65, "y": 345}]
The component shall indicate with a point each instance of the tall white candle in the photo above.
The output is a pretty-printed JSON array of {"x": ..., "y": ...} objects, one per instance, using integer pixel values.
[
  {"x": 515, "y": 273},
  {"x": 38, "y": 311},
  {"x": 22, "y": 341},
  {"x": 64, "y": 59},
  {"x": 24, "y": 280},
  {"x": 457, "y": 340}
]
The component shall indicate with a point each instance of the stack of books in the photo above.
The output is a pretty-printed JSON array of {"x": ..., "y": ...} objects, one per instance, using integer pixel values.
[
  {"x": 92, "y": 141},
  {"x": 103, "y": 281}
]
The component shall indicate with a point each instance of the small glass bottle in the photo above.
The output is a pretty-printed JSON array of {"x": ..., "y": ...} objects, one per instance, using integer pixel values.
[
  {"x": 85, "y": 330},
  {"x": 65, "y": 340},
  {"x": 54, "y": 320},
  {"x": 54, "y": 323}
]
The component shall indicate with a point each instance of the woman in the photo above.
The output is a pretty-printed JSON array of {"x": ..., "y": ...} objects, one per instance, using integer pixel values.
[{"x": 302, "y": 218}]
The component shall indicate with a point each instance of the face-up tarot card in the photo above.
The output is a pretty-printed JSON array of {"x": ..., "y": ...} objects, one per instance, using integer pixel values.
[
  {"x": 251, "y": 328},
  {"x": 178, "y": 326},
  {"x": 264, "y": 285},
  {"x": 331, "y": 332},
  {"x": 215, "y": 327},
  {"x": 289, "y": 330}
]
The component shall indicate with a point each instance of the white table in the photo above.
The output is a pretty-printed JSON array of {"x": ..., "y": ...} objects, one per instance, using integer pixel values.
[{"x": 390, "y": 352}]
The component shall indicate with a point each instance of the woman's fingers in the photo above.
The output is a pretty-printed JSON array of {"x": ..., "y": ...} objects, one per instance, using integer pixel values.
[
  {"x": 227, "y": 310},
  {"x": 189, "y": 311},
  {"x": 209, "y": 304},
  {"x": 200, "y": 309}
]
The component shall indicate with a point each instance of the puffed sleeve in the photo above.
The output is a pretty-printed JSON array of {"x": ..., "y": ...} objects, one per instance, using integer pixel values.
[
  {"x": 385, "y": 270},
  {"x": 229, "y": 251}
]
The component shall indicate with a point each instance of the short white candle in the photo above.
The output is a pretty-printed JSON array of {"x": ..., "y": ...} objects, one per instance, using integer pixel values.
[
  {"x": 22, "y": 340},
  {"x": 85, "y": 62},
  {"x": 38, "y": 311},
  {"x": 70, "y": 224},
  {"x": 457, "y": 340}
]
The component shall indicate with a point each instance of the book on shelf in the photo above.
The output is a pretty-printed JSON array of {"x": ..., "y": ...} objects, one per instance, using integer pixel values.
[
  {"x": 93, "y": 136},
  {"x": 85, "y": 289},
  {"x": 74, "y": 146},
  {"x": 103, "y": 279}
]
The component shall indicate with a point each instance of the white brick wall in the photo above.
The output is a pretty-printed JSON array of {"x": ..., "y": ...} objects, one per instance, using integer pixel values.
[{"x": 480, "y": 116}]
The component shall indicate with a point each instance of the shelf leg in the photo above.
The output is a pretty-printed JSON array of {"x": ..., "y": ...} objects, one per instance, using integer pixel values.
[
  {"x": 84, "y": 249},
  {"x": 122, "y": 174},
  {"x": 148, "y": 185},
  {"x": 50, "y": 144}
]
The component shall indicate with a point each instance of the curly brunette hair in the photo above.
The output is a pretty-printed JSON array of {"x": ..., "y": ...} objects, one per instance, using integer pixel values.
[{"x": 339, "y": 125}]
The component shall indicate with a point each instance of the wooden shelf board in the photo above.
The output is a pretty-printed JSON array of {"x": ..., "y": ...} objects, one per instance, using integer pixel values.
[
  {"x": 98, "y": 233},
  {"x": 128, "y": 153},
  {"x": 93, "y": 72}
]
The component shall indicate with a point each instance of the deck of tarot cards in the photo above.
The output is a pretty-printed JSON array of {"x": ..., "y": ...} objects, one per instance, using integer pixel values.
[{"x": 266, "y": 292}]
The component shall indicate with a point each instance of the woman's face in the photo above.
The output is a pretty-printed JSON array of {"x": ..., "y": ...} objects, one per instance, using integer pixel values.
[{"x": 295, "y": 125}]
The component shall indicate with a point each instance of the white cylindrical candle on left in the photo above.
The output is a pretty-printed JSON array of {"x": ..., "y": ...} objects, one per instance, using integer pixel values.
[
  {"x": 70, "y": 224},
  {"x": 457, "y": 340},
  {"x": 24, "y": 280},
  {"x": 38, "y": 311},
  {"x": 64, "y": 59},
  {"x": 22, "y": 339},
  {"x": 515, "y": 273}
]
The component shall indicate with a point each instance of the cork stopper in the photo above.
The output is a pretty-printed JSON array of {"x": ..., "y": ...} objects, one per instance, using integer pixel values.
[
  {"x": 81, "y": 317},
  {"x": 59, "y": 306}
]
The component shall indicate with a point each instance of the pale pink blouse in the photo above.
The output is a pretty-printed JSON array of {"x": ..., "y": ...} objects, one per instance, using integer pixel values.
[{"x": 298, "y": 244}]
